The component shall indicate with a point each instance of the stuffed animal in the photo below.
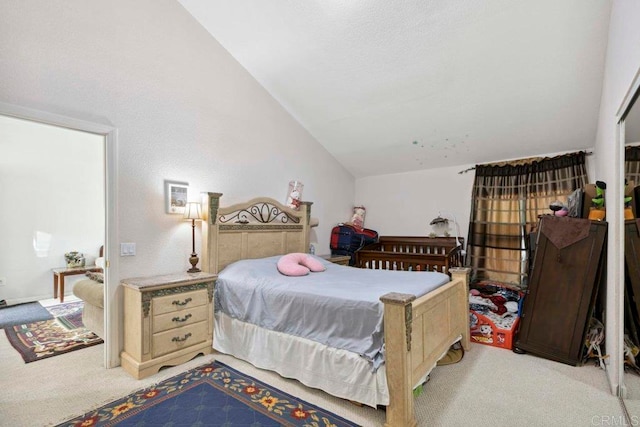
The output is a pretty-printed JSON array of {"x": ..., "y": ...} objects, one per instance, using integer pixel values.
[
  {"x": 598, "y": 201},
  {"x": 357, "y": 220},
  {"x": 628, "y": 211},
  {"x": 597, "y": 211},
  {"x": 293, "y": 201}
]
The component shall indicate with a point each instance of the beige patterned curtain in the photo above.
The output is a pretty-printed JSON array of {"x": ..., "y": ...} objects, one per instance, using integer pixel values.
[{"x": 506, "y": 202}]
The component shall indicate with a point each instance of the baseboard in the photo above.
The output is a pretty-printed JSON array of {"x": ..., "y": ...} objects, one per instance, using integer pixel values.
[{"x": 16, "y": 301}]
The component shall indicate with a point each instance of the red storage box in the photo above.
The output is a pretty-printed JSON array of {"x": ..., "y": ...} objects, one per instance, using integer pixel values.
[
  {"x": 486, "y": 332},
  {"x": 491, "y": 323}
]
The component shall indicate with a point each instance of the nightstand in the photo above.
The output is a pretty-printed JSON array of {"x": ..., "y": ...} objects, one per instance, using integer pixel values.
[
  {"x": 338, "y": 259},
  {"x": 168, "y": 320}
]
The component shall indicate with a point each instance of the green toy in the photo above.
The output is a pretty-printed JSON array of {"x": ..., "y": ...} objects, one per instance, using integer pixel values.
[
  {"x": 598, "y": 201},
  {"x": 627, "y": 199},
  {"x": 597, "y": 212}
]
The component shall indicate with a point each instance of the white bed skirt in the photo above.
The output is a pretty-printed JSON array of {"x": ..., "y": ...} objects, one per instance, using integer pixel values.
[{"x": 338, "y": 372}]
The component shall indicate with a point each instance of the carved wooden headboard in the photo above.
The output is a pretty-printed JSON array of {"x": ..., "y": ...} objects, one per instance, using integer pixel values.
[{"x": 259, "y": 228}]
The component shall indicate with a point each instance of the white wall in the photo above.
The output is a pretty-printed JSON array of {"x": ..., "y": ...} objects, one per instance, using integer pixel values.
[
  {"x": 404, "y": 204},
  {"x": 185, "y": 110},
  {"x": 622, "y": 64},
  {"x": 51, "y": 187}
]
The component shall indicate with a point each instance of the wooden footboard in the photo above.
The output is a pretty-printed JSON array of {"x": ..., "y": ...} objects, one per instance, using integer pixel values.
[
  {"x": 418, "y": 331},
  {"x": 409, "y": 253}
]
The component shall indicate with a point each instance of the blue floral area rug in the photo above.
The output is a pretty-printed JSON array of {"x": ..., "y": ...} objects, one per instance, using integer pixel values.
[{"x": 210, "y": 395}]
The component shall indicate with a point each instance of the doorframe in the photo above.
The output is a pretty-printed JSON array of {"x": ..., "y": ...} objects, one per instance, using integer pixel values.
[{"x": 110, "y": 133}]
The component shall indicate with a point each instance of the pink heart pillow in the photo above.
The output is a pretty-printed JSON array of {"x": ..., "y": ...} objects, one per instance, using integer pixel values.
[{"x": 299, "y": 264}]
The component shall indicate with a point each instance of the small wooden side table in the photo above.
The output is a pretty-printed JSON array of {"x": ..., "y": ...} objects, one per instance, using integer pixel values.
[{"x": 60, "y": 273}]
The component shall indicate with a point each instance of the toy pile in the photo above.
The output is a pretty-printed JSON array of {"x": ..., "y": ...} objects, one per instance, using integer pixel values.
[{"x": 494, "y": 313}]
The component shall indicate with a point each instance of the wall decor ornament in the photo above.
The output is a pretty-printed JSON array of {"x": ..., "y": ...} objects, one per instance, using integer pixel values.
[
  {"x": 175, "y": 196},
  {"x": 74, "y": 259}
]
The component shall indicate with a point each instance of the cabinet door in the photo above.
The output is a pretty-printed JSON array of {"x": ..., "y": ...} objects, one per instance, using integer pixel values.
[{"x": 561, "y": 293}]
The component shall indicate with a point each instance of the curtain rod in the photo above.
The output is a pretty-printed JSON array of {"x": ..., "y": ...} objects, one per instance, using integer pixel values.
[{"x": 586, "y": 153}]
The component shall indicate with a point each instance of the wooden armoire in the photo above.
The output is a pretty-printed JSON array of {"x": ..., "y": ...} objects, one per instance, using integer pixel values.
[{"x": 567, "y": 270}]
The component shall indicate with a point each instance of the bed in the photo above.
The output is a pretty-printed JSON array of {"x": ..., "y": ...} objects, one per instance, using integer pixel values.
[
  {"x": 412, "y": 253},
  {"x": 418, "y": 330}
]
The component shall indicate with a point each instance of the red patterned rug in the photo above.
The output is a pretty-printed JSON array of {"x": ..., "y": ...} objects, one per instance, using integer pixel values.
[
  {"x": 65, "y": 309},
  {"x": 48, "y": 338}
]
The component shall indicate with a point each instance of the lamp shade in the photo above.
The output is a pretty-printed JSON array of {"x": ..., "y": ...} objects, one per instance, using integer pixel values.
[{"x": 192, "y": 211}]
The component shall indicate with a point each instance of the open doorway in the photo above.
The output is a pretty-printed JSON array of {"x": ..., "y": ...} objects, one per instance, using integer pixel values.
[
  {"x": 54, "y": 195},
  {"x": 60, "y": 174}
]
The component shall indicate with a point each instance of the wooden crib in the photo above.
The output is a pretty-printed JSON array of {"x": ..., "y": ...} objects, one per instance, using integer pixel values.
[{"x": 412, "y": 253}]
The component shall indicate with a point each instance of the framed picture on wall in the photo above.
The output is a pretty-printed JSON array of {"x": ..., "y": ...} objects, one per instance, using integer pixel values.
[{"x": 175, "y": 196}]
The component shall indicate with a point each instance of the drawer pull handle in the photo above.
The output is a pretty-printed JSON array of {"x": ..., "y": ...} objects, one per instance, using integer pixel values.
[
  {"x": 178, "y": 339},
  {"x": 185, "y": 302},
  {"x": 184, "y": 319}
]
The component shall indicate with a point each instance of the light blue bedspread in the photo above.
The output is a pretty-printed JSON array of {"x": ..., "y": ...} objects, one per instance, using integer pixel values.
[{"x": 339, "y": 307}]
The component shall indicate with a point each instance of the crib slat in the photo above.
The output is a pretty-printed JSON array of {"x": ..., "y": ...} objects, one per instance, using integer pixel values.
[{"x": 412, "y": 253}]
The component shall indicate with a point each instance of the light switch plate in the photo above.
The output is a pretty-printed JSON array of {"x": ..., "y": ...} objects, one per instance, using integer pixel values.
[{"x": 127, "y": 249}]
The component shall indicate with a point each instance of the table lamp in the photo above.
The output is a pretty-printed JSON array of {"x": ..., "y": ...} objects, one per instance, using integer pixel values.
[{"x": 192, "y": 211}]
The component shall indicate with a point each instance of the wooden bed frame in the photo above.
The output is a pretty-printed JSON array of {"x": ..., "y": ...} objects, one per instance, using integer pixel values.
[
  {"x": 411, "y": 253},
  {"x": 418, "y": 331}
]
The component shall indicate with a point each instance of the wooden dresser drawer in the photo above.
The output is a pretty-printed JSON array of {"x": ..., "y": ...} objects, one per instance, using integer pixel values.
[
  {"x": 177, "y": 319},
  {"x": 171, "y": 303},
  {"x": 178, "y": 338}
]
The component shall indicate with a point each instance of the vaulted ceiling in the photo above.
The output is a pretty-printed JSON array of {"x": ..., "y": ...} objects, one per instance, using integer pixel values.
[{"x": 400, "y": 85}]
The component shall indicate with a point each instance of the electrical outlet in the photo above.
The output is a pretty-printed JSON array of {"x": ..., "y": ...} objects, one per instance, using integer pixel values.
[{"x": 3, "y": 281}]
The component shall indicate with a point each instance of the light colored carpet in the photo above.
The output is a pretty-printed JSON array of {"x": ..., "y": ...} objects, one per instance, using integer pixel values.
[
  {"x": 489, "y": 387},
  {"x": 632, "y": 402}
]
